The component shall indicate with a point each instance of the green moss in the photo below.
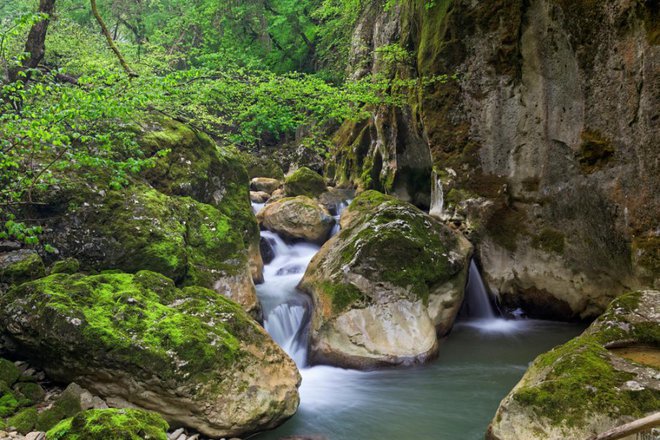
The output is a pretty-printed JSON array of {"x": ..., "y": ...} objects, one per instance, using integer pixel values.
[
  {"x": 9, "y": 403},
  {"x": 31, "y": 391},
  {"x": 549, "y": 240},
  {"x": 582, "y": 382},
  {"x": 9, "y": 373},
  {"x": 578, "y": 377},
  {"x": 261, "y": 167},
  {"x": 26, "y": 266},
  {"x": 68, "y": 265},
  {"x": 24, "y": 421},
  {"x": 67, "y": 405},
  {"x": 341, "y": 295},
  {"x": 647, "y": 250},
  {"x": 595, "y": 151},
  {"x": 129, "y": 320},
  {"x": 304, "y": 182},
  {"x": 111, "y": 424},
  {"x": 381, "y": 229}
]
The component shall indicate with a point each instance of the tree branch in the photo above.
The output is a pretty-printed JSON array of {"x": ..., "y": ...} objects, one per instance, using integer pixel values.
[{"x": 111, "y": 42}]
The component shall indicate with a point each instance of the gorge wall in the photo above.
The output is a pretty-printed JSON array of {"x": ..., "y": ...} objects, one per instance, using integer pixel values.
[{"x": 546, "y": 140}]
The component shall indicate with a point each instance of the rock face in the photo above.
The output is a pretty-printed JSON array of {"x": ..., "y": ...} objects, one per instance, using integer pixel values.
[
  {"x": 550, "y": 128},
  {"x": 385, "y": 285},
  {"x": 137, "y": 340},
  {"x": 600, "y": 380},
  {"x": 297, "y": 218},
  {"x": 304, "y": 182}
]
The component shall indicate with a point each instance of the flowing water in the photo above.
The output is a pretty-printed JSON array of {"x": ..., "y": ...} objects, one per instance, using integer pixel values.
[{"x": 452, "y": 398}]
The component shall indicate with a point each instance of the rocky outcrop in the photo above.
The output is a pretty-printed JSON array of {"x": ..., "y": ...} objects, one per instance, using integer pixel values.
[
  {"x": 297, "y": 218},
  {"x": 385, "y": 285},
  {"x": 136, "y": 340},
  {"x": 545, "y": 140},
  {"x": 604, "y": 378},
  {"x": 304, "y": 182}
]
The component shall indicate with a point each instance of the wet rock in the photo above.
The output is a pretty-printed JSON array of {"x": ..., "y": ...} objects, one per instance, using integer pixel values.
[
  {"x": 266, "y": 246},
  {"x": 297, "y": 218},
  {"x": 384, "y": 285},
  {"x": 259, "y": 196}
]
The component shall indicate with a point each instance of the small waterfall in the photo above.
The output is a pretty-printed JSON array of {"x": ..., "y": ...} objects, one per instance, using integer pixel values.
[
  {"x": 477, "y": 302},
  {"x": 437, "y": 196}
]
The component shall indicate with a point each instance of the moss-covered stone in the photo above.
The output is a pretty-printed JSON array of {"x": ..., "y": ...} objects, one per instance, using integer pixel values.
[
  {"x": 20, "y": 266},
  {"x": 304, "y": 182},
  {"x": 67, "y": 405},
  {"x": 138, "y": 338},
  {"x": 32, "y": 391},
  {"x": 195, "y": 166},
  {"x": 24, "y": 420},
  {"x": 111, "y": 424},
  {"x": 9, "y": 373},
  {"x": 581, "y": 387},
  {"x": 377, "y": 281},
  {"x": 68, "y": 265},
  {"x": 9, "y": 402},
  {"x": 261, "y": 166}
]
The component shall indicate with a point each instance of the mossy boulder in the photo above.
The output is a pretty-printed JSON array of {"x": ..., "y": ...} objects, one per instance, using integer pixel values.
[
  {"x": 111, "y": 424},
  {"x": 262, "y": 166},
  {"x": 9, "y": 373},
  {"x": 304, "y": 182},
  {"x": 20, "y": 266},
  {"x": 136, "y": 339},
  {"x": 139, "y": 228},
  {"x": 297, "y": 218},
  {"x": 23, "y": 421},
  {"x": 604, "y": 378},
  {"x": 195, "y": 166},
  {"x": 384, "y": 285}
]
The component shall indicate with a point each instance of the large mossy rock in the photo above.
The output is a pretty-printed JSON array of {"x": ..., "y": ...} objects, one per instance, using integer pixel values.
[
  {"x": 297, "y": 218},
  {"x": 135, "y": 339},
  {"x": 139, "y": 228},
  {"x": 304, "y": 182},
  {"x": 385, "y": 285},
  {"x": 111, "y": 424},
  {"x": 604, "y": 378}
]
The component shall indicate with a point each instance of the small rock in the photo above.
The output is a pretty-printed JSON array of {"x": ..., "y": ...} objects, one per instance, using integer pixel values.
[
  {"x": 36, "y": 435},
  {"x": 259, "y": 196},
  {"x": 264, "y": 184},
  {"x": 175, "y": 435}
]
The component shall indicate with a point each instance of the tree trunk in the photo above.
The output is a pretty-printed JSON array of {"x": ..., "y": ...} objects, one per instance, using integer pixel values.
[
  {"x": 35, "y": 45},
  {"x": 110, "y": 41}
]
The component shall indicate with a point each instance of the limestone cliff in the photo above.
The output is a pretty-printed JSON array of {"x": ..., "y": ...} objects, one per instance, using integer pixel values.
[{"x": 546, "y": 141}]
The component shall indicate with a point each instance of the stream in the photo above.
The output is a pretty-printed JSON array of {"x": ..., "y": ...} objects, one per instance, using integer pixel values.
[{"x": 454, "y": 397}]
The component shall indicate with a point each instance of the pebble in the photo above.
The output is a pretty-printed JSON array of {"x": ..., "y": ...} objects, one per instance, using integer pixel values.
[{"x": 175, "y": 435}]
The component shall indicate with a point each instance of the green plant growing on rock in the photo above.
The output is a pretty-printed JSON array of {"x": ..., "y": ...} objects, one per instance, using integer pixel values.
[{"x": 111, "y": 424}]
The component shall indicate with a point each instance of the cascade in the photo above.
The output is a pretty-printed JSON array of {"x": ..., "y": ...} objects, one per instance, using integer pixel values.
[
  {"x": 437, "y": 196},
  {"x": 477, "y": 303}
]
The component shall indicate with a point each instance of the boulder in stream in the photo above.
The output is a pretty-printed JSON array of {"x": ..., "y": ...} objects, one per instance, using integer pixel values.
[
  {"x": 188, "y": 353},
  {"x": 297, "y": 218},
  {"x": 385, "y": 285},
  {"x": 304, "y": 182},
  {"x": 608, "y": 376}
]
